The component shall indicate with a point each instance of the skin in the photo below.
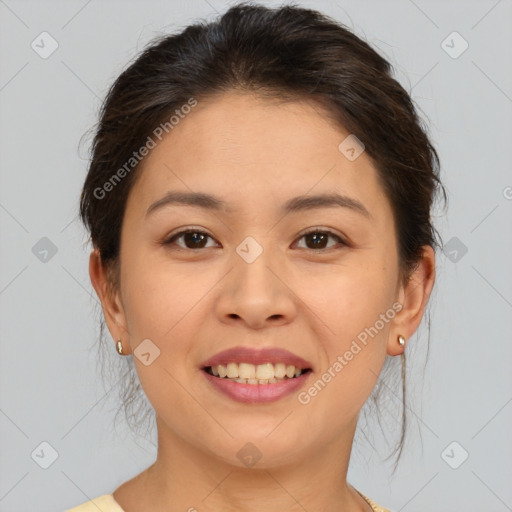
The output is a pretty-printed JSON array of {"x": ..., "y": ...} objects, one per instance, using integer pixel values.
[{"x": 194, "y": 302}]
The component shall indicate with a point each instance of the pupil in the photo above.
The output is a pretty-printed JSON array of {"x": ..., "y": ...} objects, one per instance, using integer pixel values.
[
  {"x": 316, "y": 237},
  {"x": 195, "y": 237}
]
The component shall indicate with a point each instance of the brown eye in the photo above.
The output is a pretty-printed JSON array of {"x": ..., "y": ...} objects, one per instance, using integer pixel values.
[
  {"x": 192, "y": 239},
  {"x": 317, "y": 239}
]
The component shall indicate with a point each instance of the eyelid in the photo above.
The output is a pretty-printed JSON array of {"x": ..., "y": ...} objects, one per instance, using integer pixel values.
[
  {"x": 185, "y": 229},
  {"x": 320, "y": 229}
]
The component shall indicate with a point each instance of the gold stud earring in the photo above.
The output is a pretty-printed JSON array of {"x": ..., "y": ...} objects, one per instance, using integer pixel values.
[
  {"x": 401, "y": 340},
  {"x": 119, "y": 346}
]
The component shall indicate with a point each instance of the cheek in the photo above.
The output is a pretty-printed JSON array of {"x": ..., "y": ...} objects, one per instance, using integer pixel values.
[
  {"x": 160, "y": 307},
  {"x": 349, "y": 298},
  {"x": 356, "y": 318},
  {"x": 354, "y": 305},
  {"x": 157, "y": 295}
]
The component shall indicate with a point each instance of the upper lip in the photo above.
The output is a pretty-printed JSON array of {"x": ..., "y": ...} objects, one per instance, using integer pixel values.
[{"x": 256, "y": 356}]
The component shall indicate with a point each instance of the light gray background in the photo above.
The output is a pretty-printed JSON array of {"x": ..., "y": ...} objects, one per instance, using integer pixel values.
[{"x": 50, "y": 388}]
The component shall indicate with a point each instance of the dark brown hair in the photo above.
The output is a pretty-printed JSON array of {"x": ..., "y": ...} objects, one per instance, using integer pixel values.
[{"x": 288, "y": 53}]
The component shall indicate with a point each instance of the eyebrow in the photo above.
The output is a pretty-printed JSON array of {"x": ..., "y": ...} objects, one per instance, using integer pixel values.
[{"x": 296, "y": 204}]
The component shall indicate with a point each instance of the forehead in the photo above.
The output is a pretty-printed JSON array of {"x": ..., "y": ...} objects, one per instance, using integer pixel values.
[{"x": 252, "y": 151}]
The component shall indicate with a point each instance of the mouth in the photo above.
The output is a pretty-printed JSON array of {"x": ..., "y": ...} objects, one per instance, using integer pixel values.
[
  {"x": 249, "y": 383},
  {"x": 256, "y": 374}
]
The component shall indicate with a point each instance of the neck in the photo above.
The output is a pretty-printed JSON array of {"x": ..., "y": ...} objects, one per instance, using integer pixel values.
[{"x": 185, "y": 478}]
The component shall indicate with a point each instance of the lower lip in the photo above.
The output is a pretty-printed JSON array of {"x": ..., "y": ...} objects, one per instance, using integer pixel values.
[{"x": 256, "y": 393}]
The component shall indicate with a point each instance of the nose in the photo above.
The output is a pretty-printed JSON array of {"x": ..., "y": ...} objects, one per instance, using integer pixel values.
[{"x": 256, "y": 293}]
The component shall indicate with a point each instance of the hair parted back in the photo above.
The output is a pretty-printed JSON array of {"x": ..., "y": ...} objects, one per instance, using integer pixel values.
[{"x": 285, "y": 54}]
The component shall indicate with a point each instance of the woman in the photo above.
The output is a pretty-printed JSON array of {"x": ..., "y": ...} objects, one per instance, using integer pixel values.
[{"x": 259, "y": 202}]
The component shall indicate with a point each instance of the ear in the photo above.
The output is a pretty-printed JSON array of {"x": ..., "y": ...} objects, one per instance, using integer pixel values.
[
  {"x": 113, "y": 309},
  {"x": 413, "y": 297}
]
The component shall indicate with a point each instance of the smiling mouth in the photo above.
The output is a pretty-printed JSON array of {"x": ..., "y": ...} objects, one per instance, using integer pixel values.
[{"x": 246, "y": 373}]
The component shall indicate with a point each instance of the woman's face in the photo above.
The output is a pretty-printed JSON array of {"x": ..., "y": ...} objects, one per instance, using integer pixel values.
[{"x": 254, "y": 280}]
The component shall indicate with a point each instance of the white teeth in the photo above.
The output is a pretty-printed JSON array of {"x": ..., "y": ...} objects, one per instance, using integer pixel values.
[
  {"x": 280, "y": 370},
  {"x": 232, "y": 370},
  {"x": 246, "y": 371},
  {"x": 266, "y": 373}
]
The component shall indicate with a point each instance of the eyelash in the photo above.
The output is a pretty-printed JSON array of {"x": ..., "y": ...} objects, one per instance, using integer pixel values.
[{"x": 171, "y": 240}]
